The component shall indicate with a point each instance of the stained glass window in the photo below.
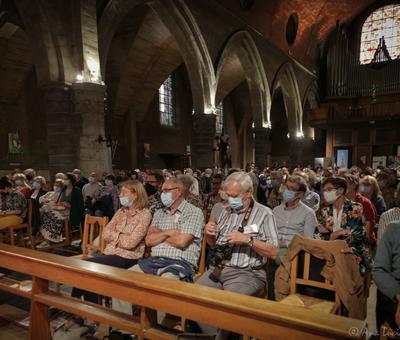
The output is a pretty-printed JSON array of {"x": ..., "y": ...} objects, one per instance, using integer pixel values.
[
  {"x": 219, "y": 118},
  {"x": 166, "y": 95},
  {"x": 384, "y": 22}
]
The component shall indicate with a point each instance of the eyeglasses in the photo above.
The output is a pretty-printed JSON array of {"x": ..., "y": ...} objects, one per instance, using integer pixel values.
[{"x": 169, "y": 189}]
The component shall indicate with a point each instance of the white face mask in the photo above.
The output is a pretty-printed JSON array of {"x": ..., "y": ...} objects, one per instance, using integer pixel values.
[
  {"x": 91, "y": 179},
  {"x": 109, "y": 182},
  {"x": 330, "y": 196},
  {"x": 125, "y": 201},
  {"x": 57, "y": 189}
]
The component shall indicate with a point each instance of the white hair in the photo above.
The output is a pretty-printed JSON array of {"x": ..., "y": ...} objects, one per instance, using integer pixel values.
[{"x": 242, "y": 178}]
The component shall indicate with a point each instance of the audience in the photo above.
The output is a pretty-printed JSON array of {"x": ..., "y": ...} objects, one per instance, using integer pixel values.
[
  {"x": 369, "y": 211},
  {"x": 64, "y": 203},
  {"x": 292, "y": 217},
  {"x": 274, "y": 195},
  {"x": 124, "y": 235},
  {"x": 38, "y": 190},
  {"x": 80, "y": 180},
  {"x": 386, "y": 274},
  {"x": 188, "y": 182},
  {"x": 241, "y": 233},
  {"x": 174, "y": 236},
  {"x": 341, "y": 218},
  {"x": 154, "y": 182},
  {"x": 389, "y": 216},
  {"x": 370, "y": 189},
  {"x": 105, "y": 201},
  {"x": 214, "y": 196},
  {"x": 13, "y": 205},
  {"x": 242, "y": 238},
  {"x": 21, "y": 185}
]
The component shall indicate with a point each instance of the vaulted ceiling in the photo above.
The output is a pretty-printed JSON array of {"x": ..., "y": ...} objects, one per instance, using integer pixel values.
[{"x": 316, "y": 19}]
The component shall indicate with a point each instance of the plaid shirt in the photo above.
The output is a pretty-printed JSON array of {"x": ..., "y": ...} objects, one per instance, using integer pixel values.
[
  {"x": 230, "y": 221},
  {"x": 189, "y": 220}
]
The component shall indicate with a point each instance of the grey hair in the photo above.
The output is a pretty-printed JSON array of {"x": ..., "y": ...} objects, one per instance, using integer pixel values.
[
  {"x": 178, "y": 183},
  {"x": 242, "y": 178},
  {"x": 186, "y": 180},
  {"x": 300, "y": 181}
]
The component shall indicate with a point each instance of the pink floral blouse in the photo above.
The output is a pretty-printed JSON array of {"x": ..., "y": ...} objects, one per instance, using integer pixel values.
[{"x": 124, "y": 235}]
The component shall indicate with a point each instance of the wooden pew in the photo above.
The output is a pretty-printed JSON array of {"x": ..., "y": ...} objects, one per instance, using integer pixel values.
[{"x": 250, "y": 316}]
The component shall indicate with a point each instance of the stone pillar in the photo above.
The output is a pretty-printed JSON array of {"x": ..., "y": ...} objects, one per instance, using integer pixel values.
[
  {"x": 296, "y": 151},
  {"x": 88, "y": 100},
  {"x": 62, "y": 125},
  {"x": 203, "y": 140},
  {"x": 261, "y": 146},
  {"x": 133, "y": 145}
]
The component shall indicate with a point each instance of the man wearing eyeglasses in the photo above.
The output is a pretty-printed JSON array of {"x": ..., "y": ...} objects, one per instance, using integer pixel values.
[
  {"x": 241, "y": 239},
  {"x": 174, "y": 237},
  {"x": 292, "y": 217}
]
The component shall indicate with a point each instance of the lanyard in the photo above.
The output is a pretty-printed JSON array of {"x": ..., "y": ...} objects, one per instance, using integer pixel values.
[
  {"x": 246, "y": 216},
  {"x": 244, "y": 221}
]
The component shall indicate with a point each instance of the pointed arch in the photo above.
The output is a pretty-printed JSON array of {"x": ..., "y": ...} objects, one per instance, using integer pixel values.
[
  {"x": 177, "y": 18},
  {"x": 285, "y": 80},
  {"x": 46, "y": 52},
  {"x": 240, "y": 60}
]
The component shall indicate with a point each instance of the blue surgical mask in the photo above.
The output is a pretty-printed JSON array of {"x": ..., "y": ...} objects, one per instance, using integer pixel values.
[
  {"x": 288, "y": 195},
  {"x": 166, "y": 199},
  {"x": 235, "y": 203},
  {"x": 364, "y": 189},
  {"x": 36, "y": 185},
  {"x": 125, "y": 202}
]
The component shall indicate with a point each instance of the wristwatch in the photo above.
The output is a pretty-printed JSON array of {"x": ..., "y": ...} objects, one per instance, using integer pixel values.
[{"x": 250, "y": 242}]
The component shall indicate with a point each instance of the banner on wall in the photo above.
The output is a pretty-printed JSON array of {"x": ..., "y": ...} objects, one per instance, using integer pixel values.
[{"x": 14, "y": 143}]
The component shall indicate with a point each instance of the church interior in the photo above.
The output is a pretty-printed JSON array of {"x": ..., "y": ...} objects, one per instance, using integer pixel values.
[{"x": 109, "y": 106}]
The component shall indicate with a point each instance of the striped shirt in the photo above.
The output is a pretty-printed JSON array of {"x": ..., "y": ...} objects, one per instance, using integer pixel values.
[
  {"x": 387, "y": 217},
  {"x": 299, "y": 220},
  {"x": 230, "y": 221},
  {"x": 189, "y": 220}
]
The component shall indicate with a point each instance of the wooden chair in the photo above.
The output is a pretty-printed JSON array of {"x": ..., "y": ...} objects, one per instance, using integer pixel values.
[
  {"x": 92, "y": 228},
  {"x": 14, "y": 230},
  {"x": 202, "y": 260},
  {"x": 69, "y": 233},
  {"x": 309, "y": 302}
]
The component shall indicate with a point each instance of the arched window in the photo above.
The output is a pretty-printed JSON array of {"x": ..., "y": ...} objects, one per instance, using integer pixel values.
[
  {"x": 166, "y": 95},
  {"x": 219, "y": 118},
  {"x": 380, "y": 35}
]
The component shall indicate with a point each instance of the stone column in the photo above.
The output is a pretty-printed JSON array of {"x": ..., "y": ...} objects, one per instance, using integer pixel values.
[
  {"x": 261, "y": 146},
  {"x": 88, "y": 102},
  {"x": 62, "y": 125},
  {"x": 296, "y": 151},
  {"x": 203, "y": 140}
]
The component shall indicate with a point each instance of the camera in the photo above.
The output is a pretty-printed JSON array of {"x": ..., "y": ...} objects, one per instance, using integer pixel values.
[{"x": 220, "y": 253}]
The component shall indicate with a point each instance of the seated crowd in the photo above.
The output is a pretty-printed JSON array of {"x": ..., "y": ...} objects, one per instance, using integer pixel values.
[{"x": 248, "y": 220}]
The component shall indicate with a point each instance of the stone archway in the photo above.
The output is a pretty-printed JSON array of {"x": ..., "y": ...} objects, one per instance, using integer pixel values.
[
  {"x": 176, "y": 17},
  {"x": 240, "y": 65},
  {"x": 241, "y": 61},
  {"x": 285, "y": 80}
]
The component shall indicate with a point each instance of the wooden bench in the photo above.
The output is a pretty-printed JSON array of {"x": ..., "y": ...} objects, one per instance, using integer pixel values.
[{"x": 242, "y": 314}]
